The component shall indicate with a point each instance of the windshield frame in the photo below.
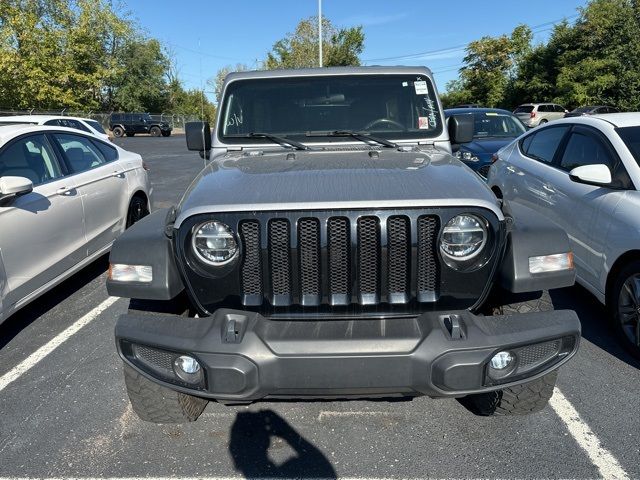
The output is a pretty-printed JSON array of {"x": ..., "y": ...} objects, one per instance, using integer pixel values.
[{"x": 414, "y": 137}]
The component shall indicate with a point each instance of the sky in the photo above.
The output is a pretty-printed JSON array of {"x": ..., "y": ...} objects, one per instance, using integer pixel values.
[{"x": 206, "y": 35}]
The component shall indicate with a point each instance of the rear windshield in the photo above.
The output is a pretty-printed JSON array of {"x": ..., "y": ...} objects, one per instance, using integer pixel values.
[
  {"x": 95, "y": 125},
  {"x": 583, "y": 109},
  {"x": 389, "y": 106},
  {"x": 524, "y": 109},
  {"x": 631, "y": 136},
  {"x": 495, "y": 124}
]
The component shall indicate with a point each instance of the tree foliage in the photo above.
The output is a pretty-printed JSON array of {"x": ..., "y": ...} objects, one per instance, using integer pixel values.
[{"x": 594, "y": 61}]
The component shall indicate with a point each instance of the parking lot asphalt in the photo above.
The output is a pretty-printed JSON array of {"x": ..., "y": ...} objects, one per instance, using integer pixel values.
[{"x": 66, "y": 414}]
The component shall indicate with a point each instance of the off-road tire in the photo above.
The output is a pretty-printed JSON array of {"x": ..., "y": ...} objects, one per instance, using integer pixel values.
[
  {"x": 166, "y": 134},
  {"x": 530, "y": 397},
  {"x": 118, "y": 132},
  {"x": 158, "y": 404},
  {"x": 155, "y": 131}
]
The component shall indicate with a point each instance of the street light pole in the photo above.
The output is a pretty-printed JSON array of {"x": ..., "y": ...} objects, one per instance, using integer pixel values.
[{"x": 320, "y": 32}]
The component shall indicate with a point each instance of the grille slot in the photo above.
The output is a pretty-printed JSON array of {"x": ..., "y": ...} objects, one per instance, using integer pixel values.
[
  {"x": 369, "y": 260},
  {"x": 533, "y": 355},
  {"x": 279, "y": 261},
  {"x": 251, "y": 270},
  {"x": 339, "y": 254},
  {"x": 309, "y": 263},
  {"x": 398, "y": 249},
  {"x": 428, "y": 268}
]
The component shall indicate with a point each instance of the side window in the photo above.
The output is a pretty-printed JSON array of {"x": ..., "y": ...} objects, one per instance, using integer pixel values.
[
  {"x": 543, "y": 108},
  {"x": 545, "y": 142},
  {"x": 54, "y": 123},
  {"x": 525, "y": 142},
  {"x": 585, "y": 149},
  {"x": 558, "y": 108},
  {"x": 30, "y": 157},
  {"x": 110, "y": 154},
  {"x": 80, "y": 152}
]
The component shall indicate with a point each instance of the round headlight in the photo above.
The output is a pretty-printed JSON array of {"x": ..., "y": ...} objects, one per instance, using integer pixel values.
[
  {"x": 214, "y": 243},
  {"x": 463, "y": 237}
]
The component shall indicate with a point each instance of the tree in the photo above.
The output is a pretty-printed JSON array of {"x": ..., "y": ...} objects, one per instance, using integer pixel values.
[
  {"x": 340, "y": 47},
  {"x": 217, "y": 82}
]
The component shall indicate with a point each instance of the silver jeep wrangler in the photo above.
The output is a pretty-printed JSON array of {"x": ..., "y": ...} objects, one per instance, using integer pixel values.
[{"x": 333, "y": 248}]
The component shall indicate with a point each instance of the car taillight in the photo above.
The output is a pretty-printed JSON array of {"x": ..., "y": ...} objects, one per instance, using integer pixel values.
[{"x": 532, "y": 114}]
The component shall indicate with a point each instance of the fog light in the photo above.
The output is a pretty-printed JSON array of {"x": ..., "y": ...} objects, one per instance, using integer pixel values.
[
  {"x": 501, "y": 360},
  {"x": 187, "y": 364}
]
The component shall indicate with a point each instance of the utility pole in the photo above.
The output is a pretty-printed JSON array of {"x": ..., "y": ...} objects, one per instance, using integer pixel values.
[{"x": 320, "y": 32}]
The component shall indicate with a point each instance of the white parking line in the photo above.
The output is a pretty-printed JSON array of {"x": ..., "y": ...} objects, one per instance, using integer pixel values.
[
  {"x": 52, "y": 344},
  {"x": 602, "y": 458}
]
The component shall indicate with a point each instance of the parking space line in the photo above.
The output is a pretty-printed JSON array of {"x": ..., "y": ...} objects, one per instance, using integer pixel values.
[
  {"x": 52, "y": 344},
  {"x": 602, "y": 458}
]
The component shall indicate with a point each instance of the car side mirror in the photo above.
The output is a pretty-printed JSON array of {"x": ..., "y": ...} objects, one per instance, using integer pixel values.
[
  {"x": 198, "y": 137},
  {"x": 461, "y": 128},
  {"x": 598, "y": 175},
  {"x": 11, "y": 187}
]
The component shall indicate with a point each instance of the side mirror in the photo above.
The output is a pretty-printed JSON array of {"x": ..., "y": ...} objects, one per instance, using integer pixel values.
[
  {"x": 198, "y": 136},
  {"x": 11, "y": 187},
  {"x": 461, "y": 128},
  {"x": 598, "y": 175}
]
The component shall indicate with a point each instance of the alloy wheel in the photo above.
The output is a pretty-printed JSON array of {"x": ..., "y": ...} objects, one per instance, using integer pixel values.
[{"x": 629, "y": 309}]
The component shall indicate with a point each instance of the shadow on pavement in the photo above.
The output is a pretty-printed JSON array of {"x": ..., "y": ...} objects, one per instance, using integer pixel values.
[
  {"x": 17, "y": 322},
  {"x": 253, "y": 433},
  {"x": 596, "y": 325}
]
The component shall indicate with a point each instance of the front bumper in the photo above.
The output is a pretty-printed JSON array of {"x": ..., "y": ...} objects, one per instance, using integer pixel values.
[{"x": 246, "y": 357}]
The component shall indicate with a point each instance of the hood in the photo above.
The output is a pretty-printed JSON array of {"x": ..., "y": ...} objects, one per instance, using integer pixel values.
[
  {"x": 487, "y": 145},
  {"x": 331, "y": 179}
]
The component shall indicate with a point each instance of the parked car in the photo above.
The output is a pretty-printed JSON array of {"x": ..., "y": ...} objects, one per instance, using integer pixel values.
[
  {"x": 534, "y": 114},
  {"x": 592, "y": 110},
  {"x": 65, "y": 196},
  {"x": 88, "y": 125},
  {"x": 583, "y": 173},
  {"x": 468, "y": 105},
  {"x": 131, "y": 123},
  {"x": 334, "y": 248},
  {"x": 492, "y": 129}
]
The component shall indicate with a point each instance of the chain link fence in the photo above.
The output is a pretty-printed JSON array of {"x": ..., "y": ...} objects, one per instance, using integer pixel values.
[{"x": 175, "y": 120}]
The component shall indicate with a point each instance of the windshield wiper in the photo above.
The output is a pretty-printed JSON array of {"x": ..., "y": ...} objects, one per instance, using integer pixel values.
[
  {"x": 357, "y": 135},
  {"x": 274, "y": 138}
]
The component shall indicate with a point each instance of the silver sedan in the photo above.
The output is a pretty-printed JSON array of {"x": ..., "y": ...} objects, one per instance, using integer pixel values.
[
  {"x": 65, "y": 196},
  {"x": 584, "y": 174}
]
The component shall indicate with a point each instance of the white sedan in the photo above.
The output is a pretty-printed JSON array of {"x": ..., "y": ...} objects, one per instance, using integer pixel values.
[
  {"x": 584, "y": 174},
  {"x": 65, "y": 196},
  {"x": 87, "y": 125}
]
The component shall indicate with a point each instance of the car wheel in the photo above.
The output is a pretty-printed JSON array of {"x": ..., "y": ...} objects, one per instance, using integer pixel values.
[
  {"x": 118, "y": 132},
  {"x": 624, "y": 307},
  {"x": 166, "y": 134},
  {"x": 137, "y": 210},
  {"x": 155, "y": 131},
  {"x": 543, "y": 121}
]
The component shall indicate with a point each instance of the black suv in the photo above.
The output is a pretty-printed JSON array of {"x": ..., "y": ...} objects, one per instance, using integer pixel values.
[{"x": 132, "y": 123}]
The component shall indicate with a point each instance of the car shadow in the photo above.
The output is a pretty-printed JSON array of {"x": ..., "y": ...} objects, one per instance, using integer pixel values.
[
  {"x": 253, "y": 433},
  {"x": 21, "y": 319},
  {"x": 596, "y": 325}
]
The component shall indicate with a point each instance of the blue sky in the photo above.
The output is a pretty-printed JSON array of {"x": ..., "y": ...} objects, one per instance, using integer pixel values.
[{"x": 243, "y": 31}]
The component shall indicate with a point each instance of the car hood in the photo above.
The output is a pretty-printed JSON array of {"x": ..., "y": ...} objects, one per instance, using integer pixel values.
[
  {"x": 330, "y": 179},
  {"x": 487, "y": 145}
]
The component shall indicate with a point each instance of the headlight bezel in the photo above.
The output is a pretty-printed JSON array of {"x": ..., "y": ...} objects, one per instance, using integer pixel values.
[
  {"x": 478, "y": 257},
  {"x": 202, "y": 258}
]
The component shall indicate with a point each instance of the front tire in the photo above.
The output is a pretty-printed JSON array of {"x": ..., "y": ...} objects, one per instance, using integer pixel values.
[
  {"x": 624, "y": 307},
  {"x": 166, "y": 134},
  {"x": 118, "y": 132}
]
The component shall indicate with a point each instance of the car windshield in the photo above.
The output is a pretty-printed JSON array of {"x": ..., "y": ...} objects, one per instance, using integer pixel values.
[
  {"x": 524, "y": 109},
  {"x": 583, "y": 109},
  {"x": 496, "y": 124},
  {"x": 388, "y": 106},
  {"x": 95, "y": 125},
  {"x": 631, "y": 136}
]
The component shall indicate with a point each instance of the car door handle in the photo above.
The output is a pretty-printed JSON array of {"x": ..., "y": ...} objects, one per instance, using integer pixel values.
[
  {"x": 511, "y": 169},
  {"x": 118, "y": 174},
  {"x": 64, "y": 191},
  {"x": 548, "y": 188}
]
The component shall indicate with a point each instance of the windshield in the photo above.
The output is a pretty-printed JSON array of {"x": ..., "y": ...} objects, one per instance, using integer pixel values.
[
  {"x": 524, "y": 109},
  {"x": 631, "y": 136},
  {"x": 495, "y": 124},
  {"x": 95, "y": 125},
  {"x": 583, "y": 109},
  {"x": 389, "y": 106}
]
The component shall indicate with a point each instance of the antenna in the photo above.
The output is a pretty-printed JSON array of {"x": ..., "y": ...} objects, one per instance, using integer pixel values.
[{"x": 320, "y": 33}]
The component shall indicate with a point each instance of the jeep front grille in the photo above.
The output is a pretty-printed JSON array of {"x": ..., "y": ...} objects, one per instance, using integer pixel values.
[{"x": 339, "y": 260}]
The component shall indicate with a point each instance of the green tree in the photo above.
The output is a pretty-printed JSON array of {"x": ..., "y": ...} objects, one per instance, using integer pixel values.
[
  {"x": 216, "y": 83},
  {"x": 340, "y": 47}
]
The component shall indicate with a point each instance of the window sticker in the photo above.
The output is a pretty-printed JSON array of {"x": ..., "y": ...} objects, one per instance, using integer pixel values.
[
  {"x": 423, "y": 123},
  {"x": 421, "y": 87},
  {"x": 405, "y": 84}
]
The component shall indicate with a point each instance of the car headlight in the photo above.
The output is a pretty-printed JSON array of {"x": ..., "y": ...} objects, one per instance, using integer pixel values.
[
  {"x": 214, "y": 243},
  {"x": 466, "y": 156},
  {"x": 463, "y": 237}
]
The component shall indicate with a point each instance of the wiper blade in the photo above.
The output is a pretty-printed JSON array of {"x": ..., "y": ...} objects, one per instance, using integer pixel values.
[
  {"x": 274, "y": 138},
  {"x": 357, "y": 135}
]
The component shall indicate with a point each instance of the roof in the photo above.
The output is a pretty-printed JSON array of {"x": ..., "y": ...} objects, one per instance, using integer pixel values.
[
  {"x": 325, "y": 71},
  {"x": 38, "y": 118},
  {"x": 627, "y": 119},
  {"x": 7, "y": 132},
  {"x": 455, "y": 111}
]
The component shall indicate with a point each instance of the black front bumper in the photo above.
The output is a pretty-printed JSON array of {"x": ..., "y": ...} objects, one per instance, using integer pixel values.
[{"x": 246, "y": 357}]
